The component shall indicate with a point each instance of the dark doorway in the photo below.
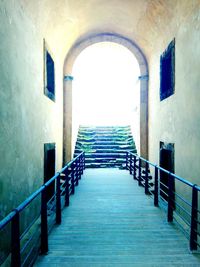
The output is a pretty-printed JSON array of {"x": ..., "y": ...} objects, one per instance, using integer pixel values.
[
  {"x": 49, "y": 167},
  {"x": 166, "y": 162}
]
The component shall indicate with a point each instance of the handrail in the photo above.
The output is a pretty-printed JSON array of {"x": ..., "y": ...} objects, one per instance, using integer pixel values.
[
  {"x": 13, "y": 216},
  {"x": 166, "y": 171},
  {"x": 25, "y": 203},
  {"x": 166, "y": 193}
]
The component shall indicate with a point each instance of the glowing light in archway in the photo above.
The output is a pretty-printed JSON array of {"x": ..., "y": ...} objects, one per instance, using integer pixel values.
[
  {"x": 106, "y": 89},
  {"x": 105, "y": 86}
]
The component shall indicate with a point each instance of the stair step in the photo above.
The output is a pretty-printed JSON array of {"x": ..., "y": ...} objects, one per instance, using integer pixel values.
[
  {"x": 104, "y": 145},
  {"x": 100, "y": 146},
  {"x": 105, "y": 138},
  {"x": 109, "y": 134},
  {"x": 103, "y": 155},
  {"x": 103, "y": 128},
  {"x": 102, "y": 165},
  {"x": 103, "y": 142},
  {"x": 104, "y": 133},
  {"x": 108, "y": 140},
  {"x": 104, "y": 151},
  {"x": 99, "y": 160}
]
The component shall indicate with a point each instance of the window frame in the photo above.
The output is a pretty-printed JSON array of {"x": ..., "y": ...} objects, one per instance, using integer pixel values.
[
  {"x": 49, "y": 89},
  {"x": 167, "y": 76}
]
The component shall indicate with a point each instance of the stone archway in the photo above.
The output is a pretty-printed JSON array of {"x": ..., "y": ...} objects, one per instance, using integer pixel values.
[{"x": 76, "y": 49}]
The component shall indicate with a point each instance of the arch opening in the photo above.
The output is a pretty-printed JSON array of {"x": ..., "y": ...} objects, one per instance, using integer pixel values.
[
  {"x": 71, "y": 57},
  {"x": 106, "y": 88}
]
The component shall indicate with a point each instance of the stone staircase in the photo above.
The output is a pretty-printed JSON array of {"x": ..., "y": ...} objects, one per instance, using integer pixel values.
[{"x": 104, "y": 146}]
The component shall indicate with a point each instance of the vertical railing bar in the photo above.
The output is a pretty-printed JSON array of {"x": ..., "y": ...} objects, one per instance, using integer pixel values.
[
  {"x": 170, "y": 198},
  {"x": 44, "y": 223},
  {"x": 130, "y": 164},
  {"x": 134, "y": 167},
  {"x": 77, "y": 174},
  {"x": 194, "y": 219},
  {"x": 156, "y": 187},
  {"x": 72, "y": 179},
  {"x": 58, "y": 201},
  {"x": 67, "y": 188},
  {"x": 84, "y": 160},
  {"x": 139, "y": 172},
  {"x": 81, "y": 164},
  {"x": 76, "y": 171},
  {"x": 146, "y": 178},
  {"x": 78, "y": 162},
  {"x": 126, "y": 160},
  {"x": 15, "y": 241},
  {"x": 79, "y": 168}
]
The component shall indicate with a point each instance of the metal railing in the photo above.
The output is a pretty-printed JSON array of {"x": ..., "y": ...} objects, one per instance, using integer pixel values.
[
  {"x": 184, "y": 211},
  {"x": 66, "y": 181}
]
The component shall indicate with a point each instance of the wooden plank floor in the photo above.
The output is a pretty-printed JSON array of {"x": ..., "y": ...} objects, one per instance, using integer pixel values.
[{"x": 110, "y": 222}]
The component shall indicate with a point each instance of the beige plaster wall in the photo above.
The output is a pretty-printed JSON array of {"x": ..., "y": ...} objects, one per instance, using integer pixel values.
[
  {"x": 177, "y": 118},
  {"x": 64, "y": 21},
  {"x": 28, "y": 118}
]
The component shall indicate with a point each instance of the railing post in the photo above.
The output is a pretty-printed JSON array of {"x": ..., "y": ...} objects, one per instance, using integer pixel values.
[
  {"x": 44, "y": 224},
  {"x": 146, "y": 186},
  {"x": 79, "y": 168},
  {"x": 130, "y": 170},
  {"x": 72, "y": 179},
  {"x": 156, "y": 188},
  {"x": 84, "y": 160},
  {"x": 134, "y": 167},
  {"x": 58, "y": 201},
  {"x": 66, "y": 188},
  {"x": 194, "y": 219},
  {"x": 76, "y": 173},
  {"x": 82, "y": 163},
  {"x": 15, "y": 241},
  {"x": 170, "y": 198},
  {"x": 126, "y": 160},
  {"x": 139, "y": 173}
]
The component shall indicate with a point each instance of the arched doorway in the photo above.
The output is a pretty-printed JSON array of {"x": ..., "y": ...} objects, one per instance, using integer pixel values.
[
  {"x": 77, "y": 48},
  {"x": 106, "y": 89}
]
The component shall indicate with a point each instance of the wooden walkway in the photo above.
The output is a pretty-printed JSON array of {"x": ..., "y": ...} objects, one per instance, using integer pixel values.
[{"x": 110, "y": 222}]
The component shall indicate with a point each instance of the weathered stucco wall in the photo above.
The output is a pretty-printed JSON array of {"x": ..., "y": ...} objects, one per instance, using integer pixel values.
[
  {"x": 28, "y": 118},
  {"x": 177, "y": 118}
]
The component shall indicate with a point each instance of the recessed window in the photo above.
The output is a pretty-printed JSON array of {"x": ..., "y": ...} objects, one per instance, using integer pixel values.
[
  {"x": 49, "y": 89},
  {"x": 167, "y": 71}
]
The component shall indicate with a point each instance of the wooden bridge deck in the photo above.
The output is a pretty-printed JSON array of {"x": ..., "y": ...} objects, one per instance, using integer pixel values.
[{"x": 110, "y": 222}]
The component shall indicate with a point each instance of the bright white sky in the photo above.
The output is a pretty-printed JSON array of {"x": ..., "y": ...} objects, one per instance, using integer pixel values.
[{"x": 105, "y": 86}]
